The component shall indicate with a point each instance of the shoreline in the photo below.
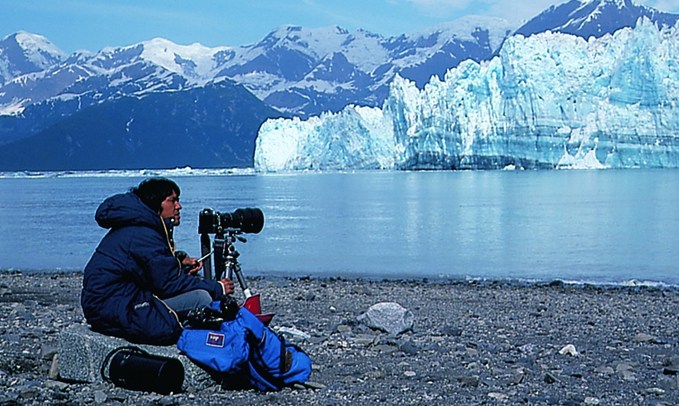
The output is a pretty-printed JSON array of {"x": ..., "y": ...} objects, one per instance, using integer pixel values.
[
  {"x": 629, "y": 283},
  {"x": 472, "y": 343}
]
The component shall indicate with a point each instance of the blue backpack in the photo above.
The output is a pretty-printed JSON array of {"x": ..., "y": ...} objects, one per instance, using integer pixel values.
[{"x": 244, "y": 353}]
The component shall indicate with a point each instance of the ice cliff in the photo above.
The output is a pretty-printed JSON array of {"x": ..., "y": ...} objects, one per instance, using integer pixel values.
[{"x": 547, "y": 101}]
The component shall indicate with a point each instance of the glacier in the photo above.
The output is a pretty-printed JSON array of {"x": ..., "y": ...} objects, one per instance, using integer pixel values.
[{"x": 549, "y": 100}]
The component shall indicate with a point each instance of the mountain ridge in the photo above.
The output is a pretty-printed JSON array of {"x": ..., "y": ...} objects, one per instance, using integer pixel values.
[{"x": 292, "y": 71}]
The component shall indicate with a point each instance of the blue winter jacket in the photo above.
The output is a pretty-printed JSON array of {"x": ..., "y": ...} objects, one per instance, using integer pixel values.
[{"x": 130, "y": 273}]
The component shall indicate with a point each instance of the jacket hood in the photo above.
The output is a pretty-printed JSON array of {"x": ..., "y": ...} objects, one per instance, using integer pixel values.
[{"x": 126, "y": 209}]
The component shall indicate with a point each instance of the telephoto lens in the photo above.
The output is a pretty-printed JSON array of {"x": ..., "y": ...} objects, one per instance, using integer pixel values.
[{"x": 247, "y": 220}]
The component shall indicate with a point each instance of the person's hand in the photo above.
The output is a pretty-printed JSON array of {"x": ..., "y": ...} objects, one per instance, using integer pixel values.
[
  {"x": 191, "y": 265},
  {"x": 227, "y": 286}
]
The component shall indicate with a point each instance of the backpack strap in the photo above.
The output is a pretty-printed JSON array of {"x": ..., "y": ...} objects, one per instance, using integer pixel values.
[
  {"x": 283, "y": 358},
  {"x": 259, "y": 364}
]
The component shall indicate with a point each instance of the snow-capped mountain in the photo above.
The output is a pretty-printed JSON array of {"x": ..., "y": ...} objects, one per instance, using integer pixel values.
[
  {"x": 151, "y": 66},
  {"x": 23, "y": 53},
  {"x": 296, "y": 71},
  {"x": 292, "y": 69},
  {"x": 547, "y": 101},
  {"x": 305, "y": 71},
  {"x": 325, "y": 69},
  {"x": 595, "y": 18}
]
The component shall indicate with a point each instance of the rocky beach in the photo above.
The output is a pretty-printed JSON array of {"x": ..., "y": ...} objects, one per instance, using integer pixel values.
[{"x": 470, "y": 343}]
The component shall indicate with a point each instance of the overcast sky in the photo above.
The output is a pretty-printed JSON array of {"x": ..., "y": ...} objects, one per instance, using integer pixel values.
[{"x": 93, "y": 24}]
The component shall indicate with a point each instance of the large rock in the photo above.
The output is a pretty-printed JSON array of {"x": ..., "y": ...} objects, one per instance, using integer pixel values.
[
  {"x": 82, "y": 353},
  {"x": 388, "y": 316}
]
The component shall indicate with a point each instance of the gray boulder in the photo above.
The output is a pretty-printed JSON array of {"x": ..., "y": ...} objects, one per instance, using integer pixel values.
[
  {"x": 82, "y": 353},
  {"x": 389, "y": 317}
]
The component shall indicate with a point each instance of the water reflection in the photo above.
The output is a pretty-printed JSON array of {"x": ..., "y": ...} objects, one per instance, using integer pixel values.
[{"x": 590, "y": 225}]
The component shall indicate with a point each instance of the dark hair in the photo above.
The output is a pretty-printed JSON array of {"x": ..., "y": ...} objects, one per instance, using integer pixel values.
[{"x": 153, "y": 191}]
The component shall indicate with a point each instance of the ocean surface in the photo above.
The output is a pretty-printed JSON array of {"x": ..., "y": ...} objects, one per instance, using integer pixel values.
[{"x": 593, "y": 226}]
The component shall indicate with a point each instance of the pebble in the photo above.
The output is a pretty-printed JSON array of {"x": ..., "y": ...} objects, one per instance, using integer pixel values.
[
  {"x": 670, "y": 370},
  {"x": 549, "y": 378},
  {"x": 408, "y": 348},
  {"x": 644, "y": 338},
  {"x": 498, "y": 396},
  {"x": 655, "y": 391},
  {"x": 569, "y": 350},
  {"x": 100, "y": 397},
  {"x": 343, "y": 329}
]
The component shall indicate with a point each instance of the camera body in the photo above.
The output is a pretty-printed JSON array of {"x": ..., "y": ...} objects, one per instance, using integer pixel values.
[{"x": 247, "y": 220}]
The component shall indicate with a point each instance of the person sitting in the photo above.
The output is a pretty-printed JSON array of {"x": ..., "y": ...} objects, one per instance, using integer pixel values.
[{"x": 133, "y": 285}]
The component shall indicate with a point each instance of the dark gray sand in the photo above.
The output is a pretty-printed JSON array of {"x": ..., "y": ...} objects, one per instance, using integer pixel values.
[{"x": 472, "y": 343}]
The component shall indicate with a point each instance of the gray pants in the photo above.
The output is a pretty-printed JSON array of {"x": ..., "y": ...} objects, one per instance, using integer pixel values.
[{"x": 185, "y": 302}]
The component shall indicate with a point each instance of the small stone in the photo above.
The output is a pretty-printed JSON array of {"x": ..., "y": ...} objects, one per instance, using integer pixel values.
[
  {"x": 166, "y": 401},
  {"x": 294, "y": 332},
  {"x": 385, "y": 348},
  {"x": 408, "y": 348},
  {"x": 655, "y": 391},
  {"x": 374, "y": 374},
  {"x": 28, "y": 392},
  {"x": 313, "y": 385},
  {"x": 58, "y": 385},
  {"x": 569, "y": 350},
  {"x": 54, "y": 368},
  {"x": 472, "y": 352},
  {"x": 517, "y": 378},
  {"x": 342, "y": 328},
  {"x": 469, "y": 380},
  {"x": 364, "y": 340},
  {"x": 410, "y": 374},
  {"x": 625, "y": 370},
  {"x": 99, "y": 397},
  {"x": 549, "y": 378},
  {"x": 671, "y": 370},
  {"x": 498, "y": 396},
  {"x": 644, "y": 338},
  {"x": 589, "y": 400},
  {"x": 452, "y": 331},
  {"x": 48, "y": 352},
  {"x": 606, "y": 370}
]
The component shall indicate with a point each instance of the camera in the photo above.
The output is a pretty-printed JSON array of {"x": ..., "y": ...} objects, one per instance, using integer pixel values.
[{"x": 247, "y": 220}]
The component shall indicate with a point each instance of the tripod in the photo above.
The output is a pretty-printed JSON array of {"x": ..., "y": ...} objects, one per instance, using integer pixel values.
[
  {"x": 227, "y": 231},
  {"x": 225, "y": 257}
]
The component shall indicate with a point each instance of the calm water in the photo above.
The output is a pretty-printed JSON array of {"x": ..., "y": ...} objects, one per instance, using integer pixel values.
[{"x": 596, "y": 226}]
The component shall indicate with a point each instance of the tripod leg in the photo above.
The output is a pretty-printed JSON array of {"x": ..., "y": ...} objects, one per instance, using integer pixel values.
[
  {"x": 242, "y": 282},
  {"x": 205, "y": 249},
  {"x": 220, "y": 260}
]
